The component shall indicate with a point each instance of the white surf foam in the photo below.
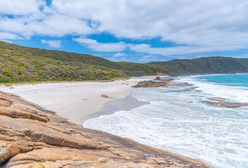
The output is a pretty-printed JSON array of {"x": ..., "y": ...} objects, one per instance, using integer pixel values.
[
  {"x": 239, "y": 94},
  {"x": 181, "y": 123}
]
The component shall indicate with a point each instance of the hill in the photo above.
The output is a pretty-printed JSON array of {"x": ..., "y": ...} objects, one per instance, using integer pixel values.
[
  {"x": 23, "y": 64},
  {"x": 204, "y": 65}
]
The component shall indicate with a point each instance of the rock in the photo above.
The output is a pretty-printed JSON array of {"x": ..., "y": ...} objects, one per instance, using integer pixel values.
[
  {"x": 33, "y": 137},
  {"x": 153, "y": 84},
  {"x": 158, "y": 78},
  {"x": 5, "y": 102},
  {"x": 7, "y": 151},
  {"x": 106, "y": 96},
  {"x": 222, "y": 102}
]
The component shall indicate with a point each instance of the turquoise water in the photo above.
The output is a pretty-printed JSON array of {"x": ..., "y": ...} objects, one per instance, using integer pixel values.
[
  {"x": 230, "y": 80},
  {"x": 179, "y": 120}
]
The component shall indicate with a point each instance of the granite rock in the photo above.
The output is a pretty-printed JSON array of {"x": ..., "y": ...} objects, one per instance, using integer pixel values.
[{"x": 32, "y": 137}]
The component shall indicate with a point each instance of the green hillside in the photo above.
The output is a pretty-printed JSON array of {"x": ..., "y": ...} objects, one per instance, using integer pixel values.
[
  {"x": 22, "y": 64},
  {"x": 205, "y": 65}
]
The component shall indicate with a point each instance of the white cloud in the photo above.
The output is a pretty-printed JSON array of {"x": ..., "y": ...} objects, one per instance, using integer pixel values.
[
  {"x": 118, "y": 55},
  {"x": 54, "y": 25},
  {"x": 52, "y": 43},
  {"x": 60, "y": 25},
  {"x": 208, "y": 25},
  {"x": 8, "y": 36},
  {"x": 178, "y": 50},
  {"x": 147, "y": 58},
  {"x": 202, "y": 26},
  {"x": 19, "y": 7},
  {"x": 101, "y": 47}
]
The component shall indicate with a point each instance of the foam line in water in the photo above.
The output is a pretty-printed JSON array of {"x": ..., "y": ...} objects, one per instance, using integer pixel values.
[{"x": 180, "y": 122}]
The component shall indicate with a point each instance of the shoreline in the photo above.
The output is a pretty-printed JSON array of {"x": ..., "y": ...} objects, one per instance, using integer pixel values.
[
  {"x": 75, "y": 101},
  {"x": 123, "y": 104},
  {"x": 200, "y": 109},
  {"x": 33, "y": 134}
]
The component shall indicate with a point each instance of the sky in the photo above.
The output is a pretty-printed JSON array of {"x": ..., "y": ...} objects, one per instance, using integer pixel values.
[{"x": 129, "y": 30}]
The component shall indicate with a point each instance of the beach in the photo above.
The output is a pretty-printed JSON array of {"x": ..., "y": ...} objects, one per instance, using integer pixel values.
[
  {"x": 33, "y": 137},
  {"x": 75, "y": 101},
  {"x": 201, "y": 117}
]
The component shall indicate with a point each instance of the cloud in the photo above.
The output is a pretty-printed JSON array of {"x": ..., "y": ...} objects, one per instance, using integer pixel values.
[
  {"x": 8, "y": 36},
  {"x": 101, "y": 47},
  {"x": 147, "y": 58},
  {"x": 118, "y": 55},
  {"x": 202, "y": 26},
  {"x": 19, "y": 7},
  {"x": 52, "y": 43},
  {"x": 54, "y": 25},
  {"x": 176, "y": 50},
  {"x": 60, "y": 25}
]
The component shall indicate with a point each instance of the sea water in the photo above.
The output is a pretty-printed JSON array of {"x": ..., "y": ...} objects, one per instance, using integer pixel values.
[{"x": 179, "y": 120}]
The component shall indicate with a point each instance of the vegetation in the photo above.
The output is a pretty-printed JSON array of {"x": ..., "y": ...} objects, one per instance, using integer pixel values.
[
  {"x": 205, "y": 65},
  {"x": 23, "y": 64}
]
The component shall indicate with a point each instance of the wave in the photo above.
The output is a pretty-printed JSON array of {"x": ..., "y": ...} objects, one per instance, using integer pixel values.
[
  {"x": 236, "y": 93},
  {"x": 178, "y": 120}
]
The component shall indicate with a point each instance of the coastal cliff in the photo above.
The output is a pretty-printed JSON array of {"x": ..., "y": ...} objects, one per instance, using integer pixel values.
[{"x": 35, "y": 138}]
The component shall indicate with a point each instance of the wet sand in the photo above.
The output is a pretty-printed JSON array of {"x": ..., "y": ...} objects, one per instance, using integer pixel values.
[{"x": 124, "y": 104}]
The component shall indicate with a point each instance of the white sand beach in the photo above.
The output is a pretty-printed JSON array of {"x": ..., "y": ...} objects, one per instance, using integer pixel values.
[{"x": 72, "y": 100}]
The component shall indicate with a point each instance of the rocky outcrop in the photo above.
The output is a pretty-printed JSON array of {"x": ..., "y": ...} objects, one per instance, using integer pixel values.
[
  {"x": 153, "y": 84},
  {"x": 222, "y": 102},
  {"x": 31, "y": 137}
]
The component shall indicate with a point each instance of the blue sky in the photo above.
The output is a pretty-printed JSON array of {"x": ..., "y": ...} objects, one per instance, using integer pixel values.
[{"x": 124, "y": 30}]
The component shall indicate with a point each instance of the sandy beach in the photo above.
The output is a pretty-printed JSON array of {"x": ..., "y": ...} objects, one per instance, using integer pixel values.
[{"x": 75, "y": 101}]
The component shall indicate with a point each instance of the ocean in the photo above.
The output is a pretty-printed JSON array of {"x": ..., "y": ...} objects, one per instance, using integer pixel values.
[{"x": 202, "y": 117}]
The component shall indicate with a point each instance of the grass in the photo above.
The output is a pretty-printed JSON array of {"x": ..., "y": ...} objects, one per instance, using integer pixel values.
[{"x": 21, "y": 64}]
